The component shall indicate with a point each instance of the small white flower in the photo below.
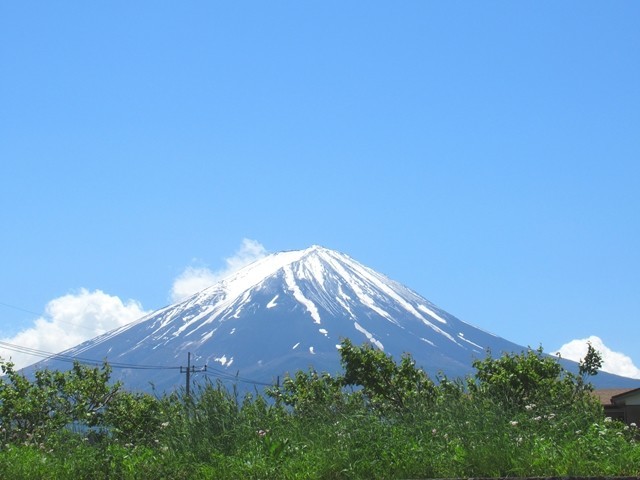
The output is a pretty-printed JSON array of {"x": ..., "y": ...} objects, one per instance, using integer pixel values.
[
  {"x": 513, "y": 423},
  {"x": 608, "y": 420},
  {"x": 632, "y": 425}
]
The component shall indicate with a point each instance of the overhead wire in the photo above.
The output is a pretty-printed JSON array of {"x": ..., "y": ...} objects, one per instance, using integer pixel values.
[
  {"x": 41, "y": 315},
  {"x": 8, "y": 305},
  {"x": 72, "y": 358},
  {"x": 210, "y": 372}
]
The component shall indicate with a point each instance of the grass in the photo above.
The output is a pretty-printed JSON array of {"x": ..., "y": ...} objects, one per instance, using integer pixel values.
[
  {"x": 317, "y": 428},
  {"x": 217, "y": 436}
]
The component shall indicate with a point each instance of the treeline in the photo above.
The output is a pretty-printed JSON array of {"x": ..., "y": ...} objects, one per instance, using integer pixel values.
[{"x": 518, "y": 415}]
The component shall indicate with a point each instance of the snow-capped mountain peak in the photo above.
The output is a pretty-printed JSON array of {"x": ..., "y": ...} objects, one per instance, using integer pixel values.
[{"x": 286, "y": 312}]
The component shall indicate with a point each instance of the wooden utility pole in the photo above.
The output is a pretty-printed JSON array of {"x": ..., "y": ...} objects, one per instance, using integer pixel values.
[{"x": 189, "y": 370}]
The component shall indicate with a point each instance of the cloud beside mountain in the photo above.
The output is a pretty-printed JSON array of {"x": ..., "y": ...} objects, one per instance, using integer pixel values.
[
  {"x": 70, "y": 320},
  {"x": 613, "y": 362},
  {"x": 76, "y": 317},
  {"x": 194, "y": 279}
]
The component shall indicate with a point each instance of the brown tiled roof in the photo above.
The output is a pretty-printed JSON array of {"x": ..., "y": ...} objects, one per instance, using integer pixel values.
[
  {"x": 605, "y": 394},
  {"x": 633, "y": 390}
]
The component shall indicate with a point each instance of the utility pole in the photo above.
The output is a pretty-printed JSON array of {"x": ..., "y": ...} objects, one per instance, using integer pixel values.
[{"x": 189, "y": 370}]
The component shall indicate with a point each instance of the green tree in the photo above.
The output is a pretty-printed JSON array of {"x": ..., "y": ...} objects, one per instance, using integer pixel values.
[
  {"x": 591, "y": 363},
  {"x": 310, "y": 393},
  {"x": 385, "y": 383},
  {"x": 516, "y": 380},
  {"x": 32, "y": 409},
  {"x": 138, "y": 418}
]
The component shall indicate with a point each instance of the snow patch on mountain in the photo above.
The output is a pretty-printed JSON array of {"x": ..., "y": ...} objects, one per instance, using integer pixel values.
[
  {"x": 207, "y": 335},
  {"x": 431, "y": 313},
  {"x": 224, "y": 361},
  {"x": 272, "y": 303},
  {"x": 461, "y": 337},
  {"x": 299, "y": 296},
  {"x": 369, "y": 335}
]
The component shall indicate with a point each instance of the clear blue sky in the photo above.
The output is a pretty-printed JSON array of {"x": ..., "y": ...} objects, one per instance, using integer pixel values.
[{"x": 485, "y": 154}]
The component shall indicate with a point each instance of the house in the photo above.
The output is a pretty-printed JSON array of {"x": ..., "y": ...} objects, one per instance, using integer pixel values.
[{"x": 621, "y": 404}]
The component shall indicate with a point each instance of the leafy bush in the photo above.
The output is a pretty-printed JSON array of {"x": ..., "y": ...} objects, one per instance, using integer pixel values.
[
  {"x": 519, "y": 415},
  {"x": 33, "y": 410}
]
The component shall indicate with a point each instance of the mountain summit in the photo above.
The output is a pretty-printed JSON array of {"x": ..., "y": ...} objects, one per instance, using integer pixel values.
[{"x": 286, "y": 312}]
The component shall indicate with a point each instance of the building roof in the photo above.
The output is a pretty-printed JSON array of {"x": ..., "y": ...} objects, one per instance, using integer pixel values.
[
  {"x": 621, "y": 396},
  {"x": 606, "y": 394}
]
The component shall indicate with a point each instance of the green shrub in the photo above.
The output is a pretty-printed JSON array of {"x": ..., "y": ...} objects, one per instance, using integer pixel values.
[{"x": 520, "y": 415}]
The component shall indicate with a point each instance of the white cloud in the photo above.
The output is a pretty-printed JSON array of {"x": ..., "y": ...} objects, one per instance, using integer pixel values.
[
  {"x": 70, "y": 320},
  {"x": 612, "y": 362},
  {"x": 195, "y": 279},
  {"x": 192, "y": 280},
  {"x": 77, "y": 317}
]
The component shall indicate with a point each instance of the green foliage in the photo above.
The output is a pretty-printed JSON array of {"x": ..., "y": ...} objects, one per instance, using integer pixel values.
[
  {"x": 216, "y": 415},
  {"x": 32, "y": 410},
  {"x": 137, "y": 418},
  {"x": 310, "y": 393},
  {"x": 516, "y": 380},
  {"x": 520, "y": 415},
  {"x": 591, "y": 363},
  {"x": 386, "y": 384}
]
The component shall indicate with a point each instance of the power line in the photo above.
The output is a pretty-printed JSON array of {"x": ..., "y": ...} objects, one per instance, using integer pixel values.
[
  {"x": 19, "y": 308},
  {"x": 42, "y": 315},
  {"x": 211, "y": 372},
  {"x": 71, "y": 358},
  {"x": 208, "y": 371}
]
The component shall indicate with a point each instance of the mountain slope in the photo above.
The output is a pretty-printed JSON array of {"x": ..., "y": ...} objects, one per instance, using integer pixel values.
[{"x": 285, "y": 312}]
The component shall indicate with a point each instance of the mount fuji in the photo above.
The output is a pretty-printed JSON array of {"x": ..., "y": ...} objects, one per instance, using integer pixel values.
[{"x": 288, "y": 312}]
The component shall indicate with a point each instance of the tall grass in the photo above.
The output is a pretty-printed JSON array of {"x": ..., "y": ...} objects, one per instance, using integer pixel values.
[
  {"x": 216, "y": 434},
  {"x": 321, "y": 430}
]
